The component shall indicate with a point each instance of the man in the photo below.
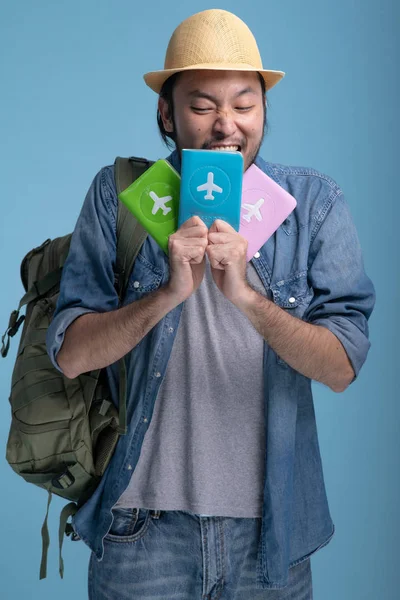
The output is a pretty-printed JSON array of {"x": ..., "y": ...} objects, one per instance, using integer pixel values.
[{"x": 217, "y": 490}]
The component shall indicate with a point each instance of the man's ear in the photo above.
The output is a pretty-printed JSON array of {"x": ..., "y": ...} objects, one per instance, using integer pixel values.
[{"x": 166, "y": 117}]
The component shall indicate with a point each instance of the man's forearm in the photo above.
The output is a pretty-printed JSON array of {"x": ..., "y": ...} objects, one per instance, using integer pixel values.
[
  {"x": 96, "y": 340},
  {"x": 311, "y": 350}
]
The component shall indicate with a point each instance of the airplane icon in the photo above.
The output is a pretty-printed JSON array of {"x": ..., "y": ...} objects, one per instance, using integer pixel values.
[
  {"x": 159, "y": 203},
  {"x": 209, "y": 187},
  {"x": 254, "y": 210}
]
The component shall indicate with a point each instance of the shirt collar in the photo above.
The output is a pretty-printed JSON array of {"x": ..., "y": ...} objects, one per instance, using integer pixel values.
[{"x": 175, "y": 161}]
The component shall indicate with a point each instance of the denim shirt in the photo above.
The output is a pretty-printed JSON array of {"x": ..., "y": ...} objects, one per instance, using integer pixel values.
[{"x": 312, "y": 268}]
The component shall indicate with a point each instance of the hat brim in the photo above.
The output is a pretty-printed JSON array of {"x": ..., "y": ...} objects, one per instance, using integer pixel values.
[{"x": 156, "y": 79}]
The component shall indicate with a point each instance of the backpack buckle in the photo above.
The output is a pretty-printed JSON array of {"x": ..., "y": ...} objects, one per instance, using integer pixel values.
[
  {"x": 13, "y": 325},
  {"x": 13, "y": 319},
  {"x": 63, "y": 481},
  {"x": 14, "y": 329}
]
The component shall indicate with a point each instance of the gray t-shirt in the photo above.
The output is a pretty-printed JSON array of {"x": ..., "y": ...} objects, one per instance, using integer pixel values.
[{"x": 204, "y": 450}]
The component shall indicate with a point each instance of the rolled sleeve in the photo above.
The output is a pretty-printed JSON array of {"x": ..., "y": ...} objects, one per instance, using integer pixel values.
[
  {"x": 354, "y": 341},
  {"x": 56, "y": 332},
  {"x": 88, "y": 280},
  {"x": 344, "y": 296}
]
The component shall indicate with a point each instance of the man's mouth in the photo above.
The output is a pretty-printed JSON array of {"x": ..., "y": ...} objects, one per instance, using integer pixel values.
[{"x": 226, "y": 148}]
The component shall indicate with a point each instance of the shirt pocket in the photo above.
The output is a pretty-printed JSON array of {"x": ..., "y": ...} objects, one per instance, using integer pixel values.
[
  {"x": 145, "y": 278},
  {"x": 294, "y": 296}
]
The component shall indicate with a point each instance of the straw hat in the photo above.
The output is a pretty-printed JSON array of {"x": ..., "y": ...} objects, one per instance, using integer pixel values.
[{"x": 212, "y": 39}]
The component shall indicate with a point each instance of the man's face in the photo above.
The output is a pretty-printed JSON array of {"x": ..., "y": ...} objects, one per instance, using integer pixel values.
[{"x": 217, "y": 110}]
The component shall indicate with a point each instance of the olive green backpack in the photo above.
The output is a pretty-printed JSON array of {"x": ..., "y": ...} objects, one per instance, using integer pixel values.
[{"x": 64, "y": 431}]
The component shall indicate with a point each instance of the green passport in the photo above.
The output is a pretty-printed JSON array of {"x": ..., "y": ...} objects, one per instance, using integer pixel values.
[{"x": 154, "y": 200}]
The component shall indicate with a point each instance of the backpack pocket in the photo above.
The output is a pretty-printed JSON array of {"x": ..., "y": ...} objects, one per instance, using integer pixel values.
[{"x": 63, "y": 431}]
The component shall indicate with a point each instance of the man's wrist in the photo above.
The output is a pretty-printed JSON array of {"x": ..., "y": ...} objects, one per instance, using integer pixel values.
[
  {"x": 248, "y": 300},
  {"x": 171, "y": 298}
]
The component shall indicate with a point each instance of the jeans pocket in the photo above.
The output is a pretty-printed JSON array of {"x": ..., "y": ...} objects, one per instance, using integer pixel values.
[{"x": 129, "y": 524}]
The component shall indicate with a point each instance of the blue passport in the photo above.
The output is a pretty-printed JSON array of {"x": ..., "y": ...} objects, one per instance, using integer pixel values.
[{"x": 211, "y": 186}]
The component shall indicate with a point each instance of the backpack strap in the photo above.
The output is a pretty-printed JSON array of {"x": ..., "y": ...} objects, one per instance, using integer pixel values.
[
  {"x": 130, "y": 233},
  {"x": 45, "y": 540},
  {"x": 130, "y": 237},
  {"x": 68, "y": 511}
]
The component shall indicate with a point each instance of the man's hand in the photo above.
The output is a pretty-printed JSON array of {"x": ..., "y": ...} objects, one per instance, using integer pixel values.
[
  {"x": 96, "y": 340},
  {"x": 226, "y": 251},
  {"x": 187, "y": 248}
]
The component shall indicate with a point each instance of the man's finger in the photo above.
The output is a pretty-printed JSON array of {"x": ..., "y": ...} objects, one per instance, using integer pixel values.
[
  {"x": 220, "y": 225},
  {"x": 222, "y": 238},
  {"x": 180, "y": 244},
  {"x": 192, "y": 222},
  {"x": 187, "y": 248},
  {"x": 199, "y": 231},
  {"x": 224, "y": 254}
]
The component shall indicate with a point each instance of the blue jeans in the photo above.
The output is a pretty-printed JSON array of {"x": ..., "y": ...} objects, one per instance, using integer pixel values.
[{"x": 174, "y": 555}]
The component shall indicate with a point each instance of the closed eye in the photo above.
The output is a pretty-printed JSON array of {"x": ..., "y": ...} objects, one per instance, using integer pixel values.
[{"x": 201, "y": 110}]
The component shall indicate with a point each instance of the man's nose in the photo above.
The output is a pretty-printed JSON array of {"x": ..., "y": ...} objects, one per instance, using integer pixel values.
[{"x": 225, "y": 124}]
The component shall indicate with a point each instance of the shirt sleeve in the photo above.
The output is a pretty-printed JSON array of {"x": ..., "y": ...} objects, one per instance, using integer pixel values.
[
  {"x": 344, "y": 296},
  {"x": 87, "y": 283}
]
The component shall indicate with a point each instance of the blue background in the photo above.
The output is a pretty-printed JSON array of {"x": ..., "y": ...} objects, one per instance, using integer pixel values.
[{"x": 72, "y": 98}]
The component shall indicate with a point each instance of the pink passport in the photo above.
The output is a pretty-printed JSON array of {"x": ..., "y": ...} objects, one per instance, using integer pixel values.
[{"x": 265, "y": 205}]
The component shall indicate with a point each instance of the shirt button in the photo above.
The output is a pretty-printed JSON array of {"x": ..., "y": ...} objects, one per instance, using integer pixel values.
[
  {"x": 158, "y": 374},
  {"x": 129, "y": 467},
  {"x": 136, "y": 284},
  {"x": 171, "y": 330},
  {"x": 292, "y": 300},
  {"x": 257, "y": 255},
  {"x": 145, "y": 419}
]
